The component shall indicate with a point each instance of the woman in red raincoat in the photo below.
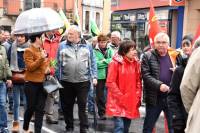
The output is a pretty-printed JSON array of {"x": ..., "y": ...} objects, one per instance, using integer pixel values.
[{"x": 124, "y": 87}]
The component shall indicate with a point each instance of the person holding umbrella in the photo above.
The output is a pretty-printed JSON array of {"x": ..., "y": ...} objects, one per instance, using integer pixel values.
[
  {"x": 36, "y": 67},
  {"x": 34, "y": 23}
]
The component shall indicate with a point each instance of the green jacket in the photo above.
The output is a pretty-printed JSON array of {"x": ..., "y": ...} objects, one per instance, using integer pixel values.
[
  {"x": 103, "y": 61},
  {"x": 5, "y": 72}
]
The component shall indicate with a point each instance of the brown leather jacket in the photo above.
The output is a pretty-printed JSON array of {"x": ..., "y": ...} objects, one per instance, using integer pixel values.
[{"x": 35, "y": 65}]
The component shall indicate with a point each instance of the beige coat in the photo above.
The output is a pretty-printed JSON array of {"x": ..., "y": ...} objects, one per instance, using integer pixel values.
[{"x": 190, "y": 92}]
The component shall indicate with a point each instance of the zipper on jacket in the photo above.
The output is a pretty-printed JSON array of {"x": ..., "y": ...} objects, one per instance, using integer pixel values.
[{"x": 76, "y": 52}]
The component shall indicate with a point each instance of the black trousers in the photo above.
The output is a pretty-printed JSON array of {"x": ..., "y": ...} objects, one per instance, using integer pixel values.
[
  {"x": 68, "y": 95},
  {"x": 36, "y": 98},
  {"x": 100, "y": 96},
  {"x": 179, "y": 129}
]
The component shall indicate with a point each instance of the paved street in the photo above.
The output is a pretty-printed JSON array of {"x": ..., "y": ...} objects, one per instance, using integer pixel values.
[{"x": 104, "y": 126}]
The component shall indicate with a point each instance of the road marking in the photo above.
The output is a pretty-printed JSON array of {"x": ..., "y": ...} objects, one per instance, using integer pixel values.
[{"x": 43, "y": 128}]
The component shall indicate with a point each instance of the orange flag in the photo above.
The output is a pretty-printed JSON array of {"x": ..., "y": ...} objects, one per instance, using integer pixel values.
[{"x": 154, "y": 26}]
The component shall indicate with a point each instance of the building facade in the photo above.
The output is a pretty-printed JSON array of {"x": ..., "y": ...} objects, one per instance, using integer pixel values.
[
  {"x": 86, "y": 10},
  {"x": 191, "y": 16},
  {"x": 131, "y": 19}
]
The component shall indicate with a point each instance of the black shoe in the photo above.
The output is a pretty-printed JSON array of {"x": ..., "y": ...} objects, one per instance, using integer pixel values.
[
  {"x": 60, "y": 116},
  {"x": 102, "y": 117},
  {"x": 69, "y": 130},
  {"x": 51, "y": 120},
  {"x": 85, "y": 130},
  {"x": 10, "y": 111},
  {"x": 32, "y": 119}
]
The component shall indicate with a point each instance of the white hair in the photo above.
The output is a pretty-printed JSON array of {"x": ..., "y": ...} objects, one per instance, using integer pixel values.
[
  {"x": 162, "y": 35},
  {"x": 116, "y": 34},
  {"x": 75, "y": 28}
]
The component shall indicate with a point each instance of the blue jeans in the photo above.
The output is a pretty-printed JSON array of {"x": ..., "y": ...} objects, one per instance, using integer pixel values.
[
  {"x": 152, "y": 114},
  {"x": 10, "y": 98},
  {"x": 3, "y": 114},
  {"x": 17, "y": 88},
  {"x": 121, "y": 124}
]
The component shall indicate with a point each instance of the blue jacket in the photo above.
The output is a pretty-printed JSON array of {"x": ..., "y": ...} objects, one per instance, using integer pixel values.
[{"x": 76, "y": 62}]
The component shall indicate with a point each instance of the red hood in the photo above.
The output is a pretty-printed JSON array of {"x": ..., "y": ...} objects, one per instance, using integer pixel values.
[{"x": 122, "y": 59}]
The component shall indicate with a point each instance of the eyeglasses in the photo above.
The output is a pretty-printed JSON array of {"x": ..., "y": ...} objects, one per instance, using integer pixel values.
[
  {"x": 161, "y": 42},
  {"x": 102, "y": 41}
]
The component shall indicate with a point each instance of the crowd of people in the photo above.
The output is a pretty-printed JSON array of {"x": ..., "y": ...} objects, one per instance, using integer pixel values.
[{"x": 107, "y": 65}]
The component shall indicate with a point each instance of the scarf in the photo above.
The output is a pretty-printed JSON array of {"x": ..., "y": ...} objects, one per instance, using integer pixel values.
[{"x": 14, "y": 57}]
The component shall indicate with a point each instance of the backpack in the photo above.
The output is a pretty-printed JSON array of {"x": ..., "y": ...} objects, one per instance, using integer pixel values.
[{"x": 5, "y": 71}]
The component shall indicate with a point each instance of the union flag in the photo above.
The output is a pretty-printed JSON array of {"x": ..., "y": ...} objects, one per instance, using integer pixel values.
[{"x": 154, "y": 26}]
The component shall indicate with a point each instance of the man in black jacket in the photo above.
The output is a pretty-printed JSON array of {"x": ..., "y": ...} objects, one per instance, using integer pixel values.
[{"x": 157, "y": 66}]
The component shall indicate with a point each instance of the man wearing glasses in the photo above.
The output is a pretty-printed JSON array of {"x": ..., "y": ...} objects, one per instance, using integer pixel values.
[{"x": 156, "y": 73}]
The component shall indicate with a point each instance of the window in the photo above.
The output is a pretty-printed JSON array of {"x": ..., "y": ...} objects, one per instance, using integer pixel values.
[
  {"x": 87, "y": 20},
  {"x": 98, "y": 19},
  {"x": 28, "y": 4},
  {"x": 114, "y": 2}
]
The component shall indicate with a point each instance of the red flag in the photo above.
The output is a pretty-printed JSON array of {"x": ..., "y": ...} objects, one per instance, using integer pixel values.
[
  {"x": 197, "y": 34},
  {"x": 154, "y": 26}
]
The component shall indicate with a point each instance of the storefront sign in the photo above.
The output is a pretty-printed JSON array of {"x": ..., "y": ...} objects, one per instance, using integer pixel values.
[
  {"x": 132, "y": 17},
  {"x": 177, "y": 2},
  {"x": 126, "y": 17},
  {"x": 140, "y": 16},
  {"x": 120, "y": 17},
  {"x": 161, "y": 14},
  {"x": 114, "y": 2},
  {"x": 116, "y": 17}
]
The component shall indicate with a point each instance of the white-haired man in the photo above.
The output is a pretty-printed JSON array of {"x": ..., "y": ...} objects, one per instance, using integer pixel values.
[
  {"x": 115, "y": 40},
  {"x": 156, "y": 73},
  {"x": 77, "y": 65}
]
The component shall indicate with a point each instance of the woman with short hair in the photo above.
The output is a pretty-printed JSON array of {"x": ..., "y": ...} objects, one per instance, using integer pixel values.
[
  {"x": 124, "y": 87},
  {"x": 36, "y": 67}
]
